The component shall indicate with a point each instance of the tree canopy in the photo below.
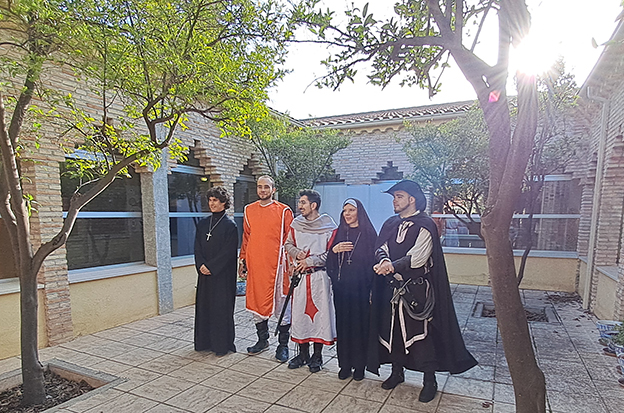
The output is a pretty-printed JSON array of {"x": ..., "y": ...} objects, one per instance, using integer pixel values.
[
  {"x": 451, "y": 158},
  {"x": 297, "y": 156}
]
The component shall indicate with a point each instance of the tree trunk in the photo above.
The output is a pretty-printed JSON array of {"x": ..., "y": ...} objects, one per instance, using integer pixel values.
[
  {"x": 528, "y": 380},
  {"x": 510, "y": 152},
  {"x": 32, "y": 370}
]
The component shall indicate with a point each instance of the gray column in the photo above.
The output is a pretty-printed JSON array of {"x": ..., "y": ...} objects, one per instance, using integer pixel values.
[{"x": 156, "y": 236}]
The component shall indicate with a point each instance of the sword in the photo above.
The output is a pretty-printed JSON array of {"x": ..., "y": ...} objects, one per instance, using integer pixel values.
[{"x": 294, "y": 282}]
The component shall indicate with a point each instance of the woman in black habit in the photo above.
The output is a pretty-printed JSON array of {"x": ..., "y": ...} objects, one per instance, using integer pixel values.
[
  {"x": 350, "y": 266},
  {"x": 216, "y": 242}
]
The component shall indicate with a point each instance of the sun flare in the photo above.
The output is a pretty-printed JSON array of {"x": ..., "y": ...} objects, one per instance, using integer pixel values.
[{"x": 536, "y": 54}]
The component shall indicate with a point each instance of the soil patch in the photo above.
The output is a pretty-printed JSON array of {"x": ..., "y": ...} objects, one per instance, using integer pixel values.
[
  {"x": 57, "y": 388},
  {"x": 531, "y": 315},
  {"x": 561, "y": 297}
]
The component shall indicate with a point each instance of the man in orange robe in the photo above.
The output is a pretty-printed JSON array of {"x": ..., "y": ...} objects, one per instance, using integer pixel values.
[{"x": 265, "y": 227}]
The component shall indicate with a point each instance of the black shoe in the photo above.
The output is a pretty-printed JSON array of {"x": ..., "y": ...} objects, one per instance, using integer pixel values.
[
  {"x": 299, "y": 361},
  {"x": 316, "y": 361},
  {"x": 344, "y": 373},
  {"x": 262, "y": 330},
  {"x": 282, "y": 349},
  {"x": 394, "y": 380},
  {"x": 358, "y": 375},
  {"x": 259, "y": 347},
  {"x": 428, "y": 391},
  {"x": 281, "y": 353}
]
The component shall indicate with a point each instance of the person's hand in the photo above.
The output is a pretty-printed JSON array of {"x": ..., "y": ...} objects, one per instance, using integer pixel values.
[
  {"x": 301, "y": 266},
  {"x": 344, "y": 246},
  {"x": 204, "y": 270},
  {"x": 384, "y": 268},
  {"x": 242, "y": 270},
  {"x": 301, "y": 255}
]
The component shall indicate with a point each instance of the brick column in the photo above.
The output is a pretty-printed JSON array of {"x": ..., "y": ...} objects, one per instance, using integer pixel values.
[
  {"x": 45, "y": 186},
  {"x": 156, "y": 234}
]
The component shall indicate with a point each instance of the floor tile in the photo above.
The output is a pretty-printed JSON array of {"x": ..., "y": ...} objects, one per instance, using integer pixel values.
[
  {"x": 350, "y": 404},
  {"x": 406, "y": 396},
  {"x": 198, "y": 398},
  {"x": 162, "y": 388},
  {"x": 196, "y": 371},
  {"x": 165, "y": 363},
  {"x": 307, "y": 399},
  {"x": 116, "y": 333},
  {"x": 136, "y": 377},
  {"x": 126, "y": 403},
  {"x": 255, "y": 365},
  {"x": 138, "y": 356},
  {"x": 239, "y": 404},
  {"x": 266, "y": 390},
  {"x": 450, "y": 403},
  {"x": 366, "y": 389},
  {"x": 10, "y": 364},
  {"x": 470, "y": 388},
  {"x": 324, "y": 380},
  {"x": 229, "y": 380},
  {"x": 283, "y": 373},
  {"x": 111, "y": 367}
]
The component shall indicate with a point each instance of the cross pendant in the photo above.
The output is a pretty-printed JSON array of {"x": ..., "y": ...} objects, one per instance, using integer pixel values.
[
  {"x": 208, "y": 236},
  {"x": 349, "y": 261}
]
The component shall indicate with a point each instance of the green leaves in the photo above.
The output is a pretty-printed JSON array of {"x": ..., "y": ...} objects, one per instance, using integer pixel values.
[
  {"x": 452, "y": 158},
  {"x": 297, "y": 157}
]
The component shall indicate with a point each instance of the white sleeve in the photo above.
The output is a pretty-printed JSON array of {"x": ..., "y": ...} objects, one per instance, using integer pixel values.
[{"x": 421, "y": 251}]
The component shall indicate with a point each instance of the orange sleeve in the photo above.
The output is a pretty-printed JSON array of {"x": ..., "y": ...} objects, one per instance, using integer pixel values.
[
  {"x": 288, "y": 219},
  {"x": 246, "y": 232}
]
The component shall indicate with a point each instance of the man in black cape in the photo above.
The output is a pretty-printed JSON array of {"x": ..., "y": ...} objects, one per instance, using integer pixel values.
[
  {"x": 413, "y": 319},
  {"x": 216, "y": 242}
]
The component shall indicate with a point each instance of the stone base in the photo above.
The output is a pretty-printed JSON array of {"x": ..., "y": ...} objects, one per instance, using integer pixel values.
[{"x": 98, "y": 380}]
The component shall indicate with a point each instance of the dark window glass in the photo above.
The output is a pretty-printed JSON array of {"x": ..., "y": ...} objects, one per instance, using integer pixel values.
[
  {"x": 122, "y": 195},
  {"x": 187, "y": 192},
  {"x": 244, "y": 193},
  {"x": 183, "y": 235},
  {"x": 105, "y": 241}
]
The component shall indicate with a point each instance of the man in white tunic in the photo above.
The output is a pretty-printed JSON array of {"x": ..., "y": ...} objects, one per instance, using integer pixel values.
[{"x": 313, "y": 315}]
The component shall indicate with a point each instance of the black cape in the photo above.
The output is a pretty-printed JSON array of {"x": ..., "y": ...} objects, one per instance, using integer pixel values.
[
  {"x": 443, "y": 349},
  {"x": 352, "y": 286},
  {"x": 216, "y": 293}
]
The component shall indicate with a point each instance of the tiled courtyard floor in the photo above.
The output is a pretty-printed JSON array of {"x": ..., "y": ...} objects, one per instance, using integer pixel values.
[{"x": 165, "y": 374}]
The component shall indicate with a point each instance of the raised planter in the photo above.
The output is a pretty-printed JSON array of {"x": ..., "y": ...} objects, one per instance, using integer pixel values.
[{"x": 99, "y": 380}]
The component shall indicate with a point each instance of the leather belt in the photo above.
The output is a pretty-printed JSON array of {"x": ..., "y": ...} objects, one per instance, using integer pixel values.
[{"x": 311, "y": 270}]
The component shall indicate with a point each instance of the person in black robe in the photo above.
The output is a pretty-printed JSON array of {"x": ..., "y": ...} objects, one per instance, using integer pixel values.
[
  {"x": 413, "y": 316},
  {"x": 216, "y": 243},
  {"x": 350, "y": 266}
]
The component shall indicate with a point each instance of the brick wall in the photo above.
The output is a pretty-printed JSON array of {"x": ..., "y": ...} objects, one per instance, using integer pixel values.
[
  {"x": 368, "y": 153},
  {"x": 609, "y": 236}
]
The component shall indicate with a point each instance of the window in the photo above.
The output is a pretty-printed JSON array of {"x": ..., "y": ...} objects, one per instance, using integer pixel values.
[
  {"x": 553, "y": 227},
  {"x": 187, "y": 206},
  {"x": 244, "y": 193},
  {"x": 109, "y": 229}
]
